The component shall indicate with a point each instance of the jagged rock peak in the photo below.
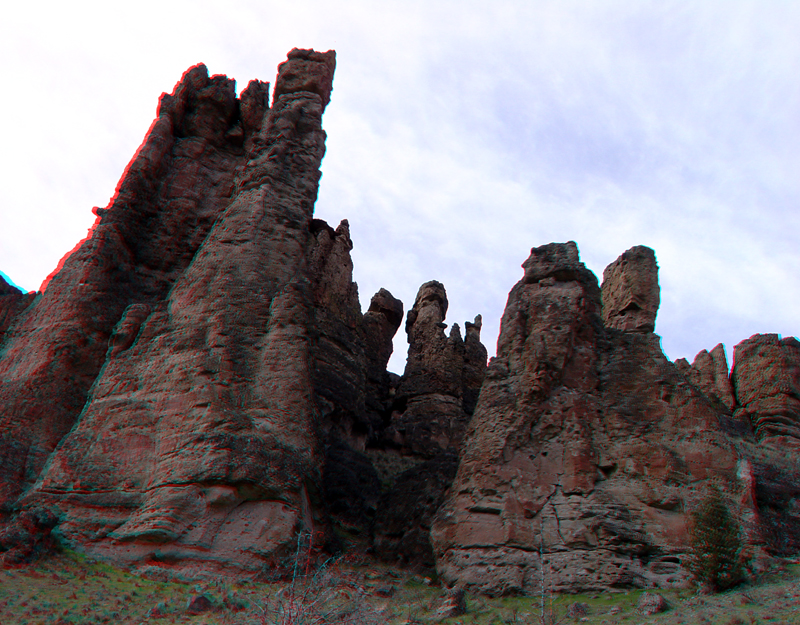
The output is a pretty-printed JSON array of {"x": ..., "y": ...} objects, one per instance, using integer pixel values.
[
  {"x": 193, "y": 317},
  {"x": 557, "y": 261},
  {"x": 709, "y": 373},
  {"x": 631, "y": 294},
  {"x": 386, "y": 304},
  {"x": 579, "y": 448},
  {"x": 306, "y": 70},
  {"x": 430, "y": 307}
]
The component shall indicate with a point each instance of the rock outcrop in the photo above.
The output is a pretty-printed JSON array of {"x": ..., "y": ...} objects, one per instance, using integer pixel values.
[
  {"x": 197, "y": 384},
  {"x": 12, "y": 303},
  {"x": 443, "y": 376},
  {"x": 766, "y": 378},
  {"x": 433, "y": 402},
  {"x": 586, "y": 445},
  {"x": 709, "y": 373},
  {"x": 198, "y": 440},
  {"x": 630, "y": 291},
  {"x": 174, "y": 189}
]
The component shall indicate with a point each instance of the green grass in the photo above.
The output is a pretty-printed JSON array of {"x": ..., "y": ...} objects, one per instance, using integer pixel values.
[{"x": 68, "y": 588}]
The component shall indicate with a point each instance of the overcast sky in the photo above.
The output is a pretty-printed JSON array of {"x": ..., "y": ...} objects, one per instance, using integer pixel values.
[{"x": 460, "y": 135}]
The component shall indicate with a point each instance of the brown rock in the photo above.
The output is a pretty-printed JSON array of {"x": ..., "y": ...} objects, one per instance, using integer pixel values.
[
  {"x": 651, "y": 603},
  {"x": 630, "y": 291},
  {"x": 766, "y": 380},
  {"x": 433, "y": 403},
  {"x": 306, "y": 71},
  {"x": 172, "y": 192},
  {"x": 25, "y": 537},
  {"x": 378, "y": 327},
  {"x": 430, "y": 415},
  {"x": 199, "y": 604},
  {"x": 709, "y": 373},
  {"x": 198, "y": 444},
  {"x": 582, "y": 449},
  {"x": 12, "y": 303},
  {"x": 453, "y": 603}
]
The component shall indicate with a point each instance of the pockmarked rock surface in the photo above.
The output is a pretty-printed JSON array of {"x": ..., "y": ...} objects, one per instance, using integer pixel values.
[
  {"x": 630, "y": 291},
  {"x": 443, "y": 375},
  {"x": 196, "y": 386},
  {"x": 709, "y": 373},
  {"x": 766, "y": 376},
  {"x": 586, "y": 445},
  {"x": 173, "y": 190},
  {"x": 197, "y": 442},
  {"x": 12, "y": 303},
  {"x": 432, "y": 404}
]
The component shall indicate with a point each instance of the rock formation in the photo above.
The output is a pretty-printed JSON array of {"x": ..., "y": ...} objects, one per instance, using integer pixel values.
[
  {"x": 197, "y": 384},
  {"x": 432, "y": 404},
  {"x": 12, "y": 303},
  {"x": 709, "y": 373},
  {"x": 630, "y": 291},
  {"x": 197, "y": 440},
  {"x": 172, "y": 192},
  {"x": 766, "y": 377},
  {"x": 443, "y": 376},
  {"x": 586, "y": 445}
]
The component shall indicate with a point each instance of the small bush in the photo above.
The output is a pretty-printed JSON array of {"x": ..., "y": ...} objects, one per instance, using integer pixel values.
[
  {"x": 716, "y": 544},
  {"x": 315, "y": 595}
]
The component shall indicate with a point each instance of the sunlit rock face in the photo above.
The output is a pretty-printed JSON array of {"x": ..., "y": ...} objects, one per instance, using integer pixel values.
[{"x": 585, "y": 447}]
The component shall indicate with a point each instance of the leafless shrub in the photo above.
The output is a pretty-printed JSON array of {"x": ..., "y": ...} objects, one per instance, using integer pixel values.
[{"x": 316, "y": 595}]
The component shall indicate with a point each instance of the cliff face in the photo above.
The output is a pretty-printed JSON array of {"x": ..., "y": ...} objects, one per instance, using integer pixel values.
[
  {"x": 588, "y": 447},
  {"x": 198, "y": 383},
  {"x": 174, "y": 189},
  {"x": 198, "y": 434}
]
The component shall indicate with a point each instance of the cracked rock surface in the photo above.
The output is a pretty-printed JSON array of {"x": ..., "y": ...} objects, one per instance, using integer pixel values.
[{"x": 584, "y": 450}]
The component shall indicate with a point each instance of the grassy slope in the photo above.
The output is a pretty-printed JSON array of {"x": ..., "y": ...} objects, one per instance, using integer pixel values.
[{"x": 67, "y": 588}]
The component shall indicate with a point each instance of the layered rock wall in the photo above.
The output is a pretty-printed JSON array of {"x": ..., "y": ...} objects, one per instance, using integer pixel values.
[
  {"x": 197, "y": 384},
  {"x": 766, "y": 379},
  {"x": 586, "y": 445},
  {"x": 172, "y": 192},
  {"x": 198, "y": 437}
]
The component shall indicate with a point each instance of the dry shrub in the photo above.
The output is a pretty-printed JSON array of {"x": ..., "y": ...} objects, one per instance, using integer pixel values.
[{"x": 316, "y": 595}]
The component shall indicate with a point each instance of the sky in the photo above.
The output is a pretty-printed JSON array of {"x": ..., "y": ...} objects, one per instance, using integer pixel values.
[{"x": 460, "y": 135}]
